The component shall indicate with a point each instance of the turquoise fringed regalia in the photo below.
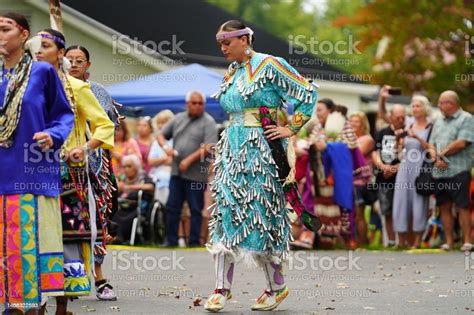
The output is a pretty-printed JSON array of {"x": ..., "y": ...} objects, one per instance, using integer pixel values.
[{"x": 250, "y": 218}]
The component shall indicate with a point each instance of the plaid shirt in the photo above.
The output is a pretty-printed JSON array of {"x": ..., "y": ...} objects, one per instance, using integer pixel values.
[{"x": 459, "y": 126}]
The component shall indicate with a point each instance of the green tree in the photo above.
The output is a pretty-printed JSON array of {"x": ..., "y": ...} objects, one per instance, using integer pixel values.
[
  {"x": 287, "y": 19},
  {"x": 358, "y": 61},
  {"x": 279, "y": 17},
  {"x": 421, "y": 44}
]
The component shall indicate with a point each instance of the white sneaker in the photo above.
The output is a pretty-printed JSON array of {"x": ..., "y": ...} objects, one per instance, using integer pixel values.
[
  {"x": 270, "y": 300},
  {"x": 216, "y": 301},
  {"x": 181, "y": 243},
  {"x": 467, "y": 247},
  {"x": 105, "y": 292},
  {"x": 445, "y": 247}
]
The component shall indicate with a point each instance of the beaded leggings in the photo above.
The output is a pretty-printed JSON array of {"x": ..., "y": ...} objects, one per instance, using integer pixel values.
[{"x": 224, "y": 264}]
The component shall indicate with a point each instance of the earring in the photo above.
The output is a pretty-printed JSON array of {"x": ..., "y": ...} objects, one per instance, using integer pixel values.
[{"x": 248, "y": 52}]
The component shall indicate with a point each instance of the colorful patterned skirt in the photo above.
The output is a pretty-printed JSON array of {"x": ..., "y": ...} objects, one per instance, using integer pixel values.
[
  {"x": 333, "y": 201},
  {"x": 336, "y": 221},
  {"x": 32, "y": 250},
  {"x": 77, "y": 230}
]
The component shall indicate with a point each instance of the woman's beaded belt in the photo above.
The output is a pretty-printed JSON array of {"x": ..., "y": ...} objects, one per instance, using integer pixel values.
[{"x": 250, "y": 117}]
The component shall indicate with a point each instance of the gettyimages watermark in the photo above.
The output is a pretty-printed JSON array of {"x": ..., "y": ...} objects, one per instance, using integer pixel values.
[
  {"x": 463, "y": 293},
  {"x": 125, "y": 260},
  {"x": 38, "y": 161},
  {"x": 129, "y": 61},
  {"x": 147, "y": 277},
  {"x": 201, "y": 186},
  {"x": 469, "y": 261},
  {"x": 388, "y": 153},
  {"x": 320, "y": 61},
  {"x": 125, "y": 45},
  {"x": 36, "y": 186},
  {"x": 158, "y": 77},
  {"x": 33, "y": 154},
  {"x": 153, "y": 293},
  {"x": 303, "y": 260},
  {"x": 302, "y": 44},
  {"x": 321, "y": 277},
  {"x": 337, "y": 77},
  {"x": 41, "y": 169},
  {"x": 319, "y": 293},
  {"x": 469, "y": 50},
  {"x": 440, "y": 186},
  {"x": 462, "y": 77}
]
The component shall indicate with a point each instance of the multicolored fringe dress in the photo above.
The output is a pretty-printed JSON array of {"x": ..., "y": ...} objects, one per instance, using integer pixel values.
[
  {"x": 87, "y": 194},
  {"x": 100, "y": 164},
  {"x": 31, "y": 249},
  {"x": 249, "y": 219}
]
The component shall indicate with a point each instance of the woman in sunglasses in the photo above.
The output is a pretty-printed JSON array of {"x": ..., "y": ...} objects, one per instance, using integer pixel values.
[{"x": 100, "y": 163}]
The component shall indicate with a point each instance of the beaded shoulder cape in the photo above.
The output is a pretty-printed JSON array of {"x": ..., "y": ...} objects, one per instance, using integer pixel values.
[
  {"x": 271, "y": 69},
  {"x": 11, "y": 109}
]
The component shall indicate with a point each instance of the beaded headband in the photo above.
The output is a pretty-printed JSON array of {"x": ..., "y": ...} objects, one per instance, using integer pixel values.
[
  {"x": 55, "y": 39},
  {"x": 12, "y": 22},
  {"x": 237, "y": 33}
]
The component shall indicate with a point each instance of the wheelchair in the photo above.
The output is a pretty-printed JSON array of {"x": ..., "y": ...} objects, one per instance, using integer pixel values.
[{"x": 148, "y": 224}]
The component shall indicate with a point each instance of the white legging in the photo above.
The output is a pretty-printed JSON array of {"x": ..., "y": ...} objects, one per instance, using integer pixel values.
[{"x": 224, "y": 264}]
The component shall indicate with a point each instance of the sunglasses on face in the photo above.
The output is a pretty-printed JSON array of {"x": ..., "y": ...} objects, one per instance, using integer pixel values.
[
  {"x": 78, "y": 62},
  {"x": 197, "y": 103},
  {"x": 128, "y": 166}
]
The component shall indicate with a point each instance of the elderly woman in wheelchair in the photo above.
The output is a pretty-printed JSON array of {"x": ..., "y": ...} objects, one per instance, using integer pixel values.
[{"x": 136, "y": 192}]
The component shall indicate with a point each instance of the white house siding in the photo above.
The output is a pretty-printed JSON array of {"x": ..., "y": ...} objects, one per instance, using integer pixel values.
[{"x": 104, "y": 67}]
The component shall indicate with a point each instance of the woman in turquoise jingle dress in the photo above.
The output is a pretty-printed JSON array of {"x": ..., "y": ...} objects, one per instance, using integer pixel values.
[{"x": 249, "y": 218}]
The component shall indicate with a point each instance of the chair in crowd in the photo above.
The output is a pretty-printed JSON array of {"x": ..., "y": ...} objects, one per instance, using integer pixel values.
[{"x": 142, "y": 220}]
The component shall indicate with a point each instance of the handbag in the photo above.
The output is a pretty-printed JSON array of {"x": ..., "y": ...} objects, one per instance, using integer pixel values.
[
  {"x": 369, "y": 192},
  {"x": 309, "y": 220},
  {"x": 425, "y": 183}
]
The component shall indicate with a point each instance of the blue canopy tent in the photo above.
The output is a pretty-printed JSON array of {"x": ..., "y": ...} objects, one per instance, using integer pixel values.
[{"x": 167, "y": 90}]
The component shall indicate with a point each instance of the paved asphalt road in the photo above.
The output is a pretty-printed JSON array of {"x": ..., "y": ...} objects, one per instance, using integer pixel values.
[{"x": 162, "y": 281}]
